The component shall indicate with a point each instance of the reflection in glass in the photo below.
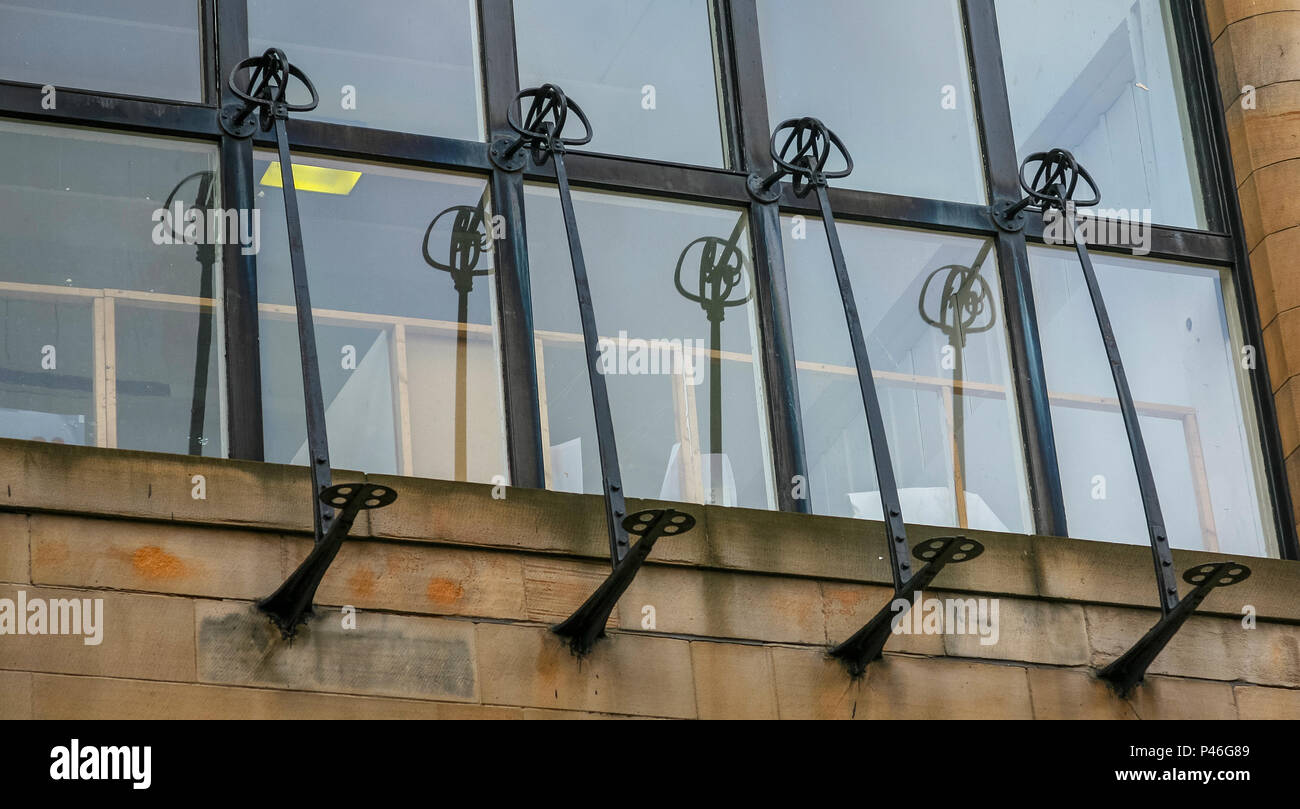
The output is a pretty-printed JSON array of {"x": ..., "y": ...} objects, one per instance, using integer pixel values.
[
  {"x": 1102, "y": 80},
  {"x": 642, "y": 70},
  {"x": 890, "y": 78},
  {"x": 1178, "y": 347},
  {"x": 109, "y": 338},
  {"x": 406, "y": 338},
  {"x": 929, "y": 306},
  {"x": 412, "y": 67},
  {"x": 133, "y": 47},
  {"x": 651, "y": 264}
]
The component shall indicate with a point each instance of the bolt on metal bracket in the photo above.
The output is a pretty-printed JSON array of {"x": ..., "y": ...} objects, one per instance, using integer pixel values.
[
  {"x": 811, "y": 142},
  {"x": 264, "y": 101},
  {"x": 541, "y": 133},
  {"x": 1053, "y": 186}
]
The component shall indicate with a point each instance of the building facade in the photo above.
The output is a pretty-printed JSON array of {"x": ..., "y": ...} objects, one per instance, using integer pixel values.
[{"x": 154, "y": 448}]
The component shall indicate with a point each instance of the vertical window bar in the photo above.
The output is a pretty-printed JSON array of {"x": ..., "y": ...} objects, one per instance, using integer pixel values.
[
  {"x": 781, "y": 384},
  {"x": 993, "y": 113},
  {"x": 239, "y": 273},
  {"x": 514, "y": 297}
]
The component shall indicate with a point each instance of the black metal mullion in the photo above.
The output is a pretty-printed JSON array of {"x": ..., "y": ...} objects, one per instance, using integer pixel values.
[
  {"x": 993, "y": 113},
  {"x": 510, "y": 257},
  {"x": 1216, "y": 169},
  {"x": 780, "y": 376},
  {"x": 239, "y": 271}
]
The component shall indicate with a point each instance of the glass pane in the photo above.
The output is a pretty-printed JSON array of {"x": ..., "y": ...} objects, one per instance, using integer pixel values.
[
  {"x": 1102, "y": 80},
  {"x": 407, "y": 349},
  {"x": 1179, "y": 350},
  {"x": 931, "y": 314},
  {"x": 642, "y": 71},
  {"x": 110, "y": 334},
  {"x": 133, "y": 47},
  {"x": 411, "y": 66},
  {"x": 890, "y": 79},
  {"x": 684, "y": 378}
]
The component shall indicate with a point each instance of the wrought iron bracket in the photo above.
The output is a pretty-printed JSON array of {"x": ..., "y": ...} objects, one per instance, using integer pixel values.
[
  {"x": 264, "y": 100},
  {"x": 541, "y": 134},
  {"x": 1055, "y": 181},
  {"x": 291, "y": 604},
  {"x": 1124, "y": 674},
  {"x": 587, "y": 624},
  {"x": 803, "y": 156},
  {"x": 868, "y": 643}
]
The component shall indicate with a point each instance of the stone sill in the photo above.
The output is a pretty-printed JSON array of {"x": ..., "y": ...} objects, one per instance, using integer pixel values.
[{"x": 89, "y": 481}]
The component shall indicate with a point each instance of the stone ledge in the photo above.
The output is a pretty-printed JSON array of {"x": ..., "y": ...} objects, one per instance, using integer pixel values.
[{"x": 154, "y": 487}]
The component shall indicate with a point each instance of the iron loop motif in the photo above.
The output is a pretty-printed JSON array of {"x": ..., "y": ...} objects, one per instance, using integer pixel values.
[
  {"x": 1056, "y": 180},
  {"x": 468, "y": 242},
  {"x": 966, "y": 305},
  {"x": 543, "y": 127},
  {"x": 722, "y": 270}
]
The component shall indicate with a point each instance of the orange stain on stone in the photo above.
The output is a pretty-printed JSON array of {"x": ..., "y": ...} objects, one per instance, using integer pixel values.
[
  {"x": 154, "y": 562},
  {"x": 444, "y": 591},
  {"x": 362, "y": 582}
]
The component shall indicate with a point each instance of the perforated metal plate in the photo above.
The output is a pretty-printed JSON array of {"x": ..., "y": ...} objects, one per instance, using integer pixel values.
[
  {"x": 1228, "y": 574},
  {"x": 966, "y": 549},
  {"x": 640, "y": 522},
  {"x": 375, "y": 496}
]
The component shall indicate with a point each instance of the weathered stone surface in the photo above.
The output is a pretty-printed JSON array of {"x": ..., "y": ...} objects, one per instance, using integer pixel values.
[
  {"x": 733, "y": 681},
  {"x": 1078, "y": 694},
  {"x": 1222, "y": 13},
  {"x": 1029, "y": 631},
  {"x": 15, "y": 695},
  {"x": 625, "y": 673},
  {"x": 812, "y": 686},
  {"x": 1254, "y": 702},
  {"x": 849, "y": 607},
  {"x": 385, "y": 655},
  {"x": 1206, "y": 647},
  {"x": 94, "y": 698},
  {"x": 143, "y": 636},
  {"x": 15, "y": 565},
  {"x": 154, "y": 557},
  {"x": 1257, "y": 51}
]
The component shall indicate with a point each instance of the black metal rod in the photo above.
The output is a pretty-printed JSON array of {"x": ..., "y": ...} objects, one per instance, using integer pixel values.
[
  {"x": 615, "y": 507},
  {"x": 1161, "y": 555},
  {"x": 891, "y": 507},
  {"x": 318, "y": 459}
]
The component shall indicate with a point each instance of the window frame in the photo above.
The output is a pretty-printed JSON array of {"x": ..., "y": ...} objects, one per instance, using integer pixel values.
[{"x": 746, "y": 125}]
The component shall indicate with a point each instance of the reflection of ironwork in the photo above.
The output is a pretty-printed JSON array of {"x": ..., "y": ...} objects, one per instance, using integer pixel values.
[
  {"x": 966, "y": 307},
  {"x": 1053, "y": 186},
  {"x": 470, "y": 239},
  {"x": 206, "y": 254},
  {"x": 542, "y": 133},
  {"x": 812, "y": 142},
  {"x": 722, "y": 271},
  {"x": 290, "y": 605}
]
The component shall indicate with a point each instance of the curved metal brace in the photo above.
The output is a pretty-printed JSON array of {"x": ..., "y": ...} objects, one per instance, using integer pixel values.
[
  {"x": 1054, "y": 184},
  {"x": 542, "y": 132}
]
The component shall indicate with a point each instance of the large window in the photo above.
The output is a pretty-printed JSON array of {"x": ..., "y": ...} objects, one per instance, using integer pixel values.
[
  {"x": 890, "y": 79},
  {"x": 110, "y": 335},
  {"x": 1102, "y": 79},
  {"x": 1183, "y": 358},
  {"x": 446, "y": 316},
  {"x": 407, "y": 65},
  {"x": 400, "y": 266},
  {"x": 131, "y": 47},
  {"x": 642, "y": 70},
  {"x": 931, "y": 312},
  {"x": 679, "y": 355}
]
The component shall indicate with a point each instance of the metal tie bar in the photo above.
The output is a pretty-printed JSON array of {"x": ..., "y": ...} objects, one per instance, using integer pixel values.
[
  {"x": 1053, "y": 187},
  {"x": 811, "y": 141},
  {"x": 291, "y": 604},
  {"x": 541, "y": 132}
]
